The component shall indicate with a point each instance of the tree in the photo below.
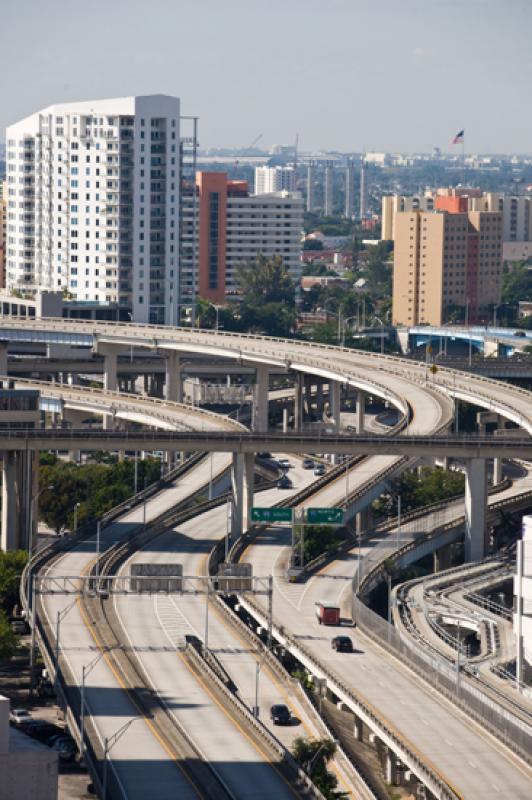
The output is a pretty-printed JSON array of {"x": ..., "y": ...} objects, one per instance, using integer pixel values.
[
  {"x": 313, "y": 755},
  {"x": 11, "y": 567},
  {"x": 312, "y": 244},
  {"x": 266, "y": 280},
  {"x": 516, "y": 283},
  {"x": 8, "y": 639},
  {"x": 418, "y": 489}
]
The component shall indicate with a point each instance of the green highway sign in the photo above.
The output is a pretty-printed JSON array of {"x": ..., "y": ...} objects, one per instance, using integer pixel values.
[
  {"x": 325, "y": 516},
  {"x": 271, "y": 515}
]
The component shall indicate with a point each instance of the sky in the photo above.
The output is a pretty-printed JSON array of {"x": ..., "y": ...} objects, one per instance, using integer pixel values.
[{"x": 346, "y": 75}]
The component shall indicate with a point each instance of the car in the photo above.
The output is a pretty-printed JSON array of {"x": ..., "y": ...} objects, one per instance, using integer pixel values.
[
  {"x": 264, "y": 455},
  {"x": 342, "y": 644},
  {"x": 19, "y": 716},
  {"x": 284, "y": 482},
  {"x": 42, "y": 731},
  {"x": 519, "y": 333},
  {"x": 308, "y": 463},
  {"x": 319, "y": 469},
  {"x": 284, "y": 463},
  {"x": 19, "y": 627},
  {"x": 280, "y": 715},
  {"x": 66, "y": 748},
  {"x": 45, "y": 689}
]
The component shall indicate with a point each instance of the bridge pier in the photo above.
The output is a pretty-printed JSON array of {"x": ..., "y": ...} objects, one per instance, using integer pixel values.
[
  {"x": 442, "y": 558},
  {"x": 260, "y": 399},
  {"x": 110, "y": 373},
  {"x": 19, "y": 487},
  {"x": 360, "y": 411},
  {"x": 335, "y": 398},
  {"x": 298, "y": 402},
  {"x": 173, "y": 379},
  {"x": 242, "y": 476},
  {"x": 476, "y": 497},
  {"x": 3, "y": 357},
  {"x": 319, "y": 399},
  {"x": 391, "y": 772}
]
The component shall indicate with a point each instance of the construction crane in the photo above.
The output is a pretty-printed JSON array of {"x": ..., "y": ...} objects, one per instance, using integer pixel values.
[{"x": 254, "y": 142}]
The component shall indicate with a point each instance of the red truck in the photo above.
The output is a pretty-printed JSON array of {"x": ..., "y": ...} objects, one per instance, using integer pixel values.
[{"x": 327, "y": 615}]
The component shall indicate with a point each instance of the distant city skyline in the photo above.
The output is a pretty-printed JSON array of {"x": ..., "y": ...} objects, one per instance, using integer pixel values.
[{"x": 351, "y": 75}]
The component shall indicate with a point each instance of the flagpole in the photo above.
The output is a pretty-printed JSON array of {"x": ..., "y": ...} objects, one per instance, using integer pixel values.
[{"x": 463, "y": 162}]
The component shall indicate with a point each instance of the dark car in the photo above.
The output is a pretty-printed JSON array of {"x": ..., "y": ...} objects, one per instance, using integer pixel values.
[
  {"x": 264, "y": 455},
  {"x": 519, "y": 333},
  {"x": 284, "y": 482},
  {"x": 342, "y": 644},
  {"x": 308, "y": 463},
  {"x": 280, "y": 715}
]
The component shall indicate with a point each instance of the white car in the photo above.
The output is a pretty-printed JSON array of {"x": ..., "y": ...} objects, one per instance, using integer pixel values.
[
  {"x": 19, "y": 715},
  {"x": 284, "y": 463}
]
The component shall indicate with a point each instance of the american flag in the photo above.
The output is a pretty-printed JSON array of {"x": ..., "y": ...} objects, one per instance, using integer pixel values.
[{"x": 459, "y": 138}]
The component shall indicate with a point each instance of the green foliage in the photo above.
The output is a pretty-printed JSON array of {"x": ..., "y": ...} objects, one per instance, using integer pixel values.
[
  {"x": 8, "y": 639},
  {"x": 378, "y": 271},
  {"x": 416, "y": 490},
  {"x": 313, "y": 755},
  {"x": 318, "y": 539},
  {"x": 516, "y": 283},
  {"x": 264, "y": 281},
  {"x": 11, "y": 566},
  {"x": 96, "y": 487},
  {"x": 47, "y": 459},
  {"x": 312, "y": 244}
]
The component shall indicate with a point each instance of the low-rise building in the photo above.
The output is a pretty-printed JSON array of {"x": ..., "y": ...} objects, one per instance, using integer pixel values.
[{"x": 28, "y": 769}]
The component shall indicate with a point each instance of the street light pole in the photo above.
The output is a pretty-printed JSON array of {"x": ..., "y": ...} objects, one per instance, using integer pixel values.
[
  {"x": 85, "y": 671},
  {"x": 109, "y": 743},
  {"x": 76, "y": 516}
]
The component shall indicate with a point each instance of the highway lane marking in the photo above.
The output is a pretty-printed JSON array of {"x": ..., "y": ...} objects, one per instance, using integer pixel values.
[
  {"x": 146, "y": 720},
  {"x": 266, "y": 758},
  {"x": 203, "y": 570}
]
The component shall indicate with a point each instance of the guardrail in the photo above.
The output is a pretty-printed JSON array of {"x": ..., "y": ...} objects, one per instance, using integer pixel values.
[{"x": 427, "y": 773}]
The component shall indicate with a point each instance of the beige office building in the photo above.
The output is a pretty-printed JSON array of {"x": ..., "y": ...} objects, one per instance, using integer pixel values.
[{"x": 444, "y": 259}]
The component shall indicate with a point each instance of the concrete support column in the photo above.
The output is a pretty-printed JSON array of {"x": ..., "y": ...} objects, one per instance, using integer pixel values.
[
  {"x": 242, "y": 476},
  {"x": 173, "y": 382},
  {"x": 110, "y": 360},
  {"x": 298, "y": 402},
  {"x": 19, "y": 487},
  {"x": 74, "y": 419},
  {"x": 260, "y": 399},
  {"x": 475, "y": 509},
  {"x": 335, "y": 397},
  {"x": 390, "y": 768},
  {"x": 319, "y": 399},
  {"x": 442, "y": 558},
  {"x": 3, "y": 357},
  {"x": 498, "y": 462},
  {"x": 307, "y": 402},
  {"x": 358, "y": 729},
  {"x": 361, "y": 410},
  {"x": 363, "y": 520},
  {"x": 10, "y": 509}
]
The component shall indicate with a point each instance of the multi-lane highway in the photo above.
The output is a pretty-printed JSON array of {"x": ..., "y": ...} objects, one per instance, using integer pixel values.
[{"x": 453, "y": 747}]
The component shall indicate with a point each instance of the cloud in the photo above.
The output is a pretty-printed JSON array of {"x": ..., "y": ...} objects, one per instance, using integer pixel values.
[{"x": 423, "y": 52}]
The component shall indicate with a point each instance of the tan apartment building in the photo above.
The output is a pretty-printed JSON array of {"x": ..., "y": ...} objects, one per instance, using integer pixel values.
[{"x": 448, "y": 257}]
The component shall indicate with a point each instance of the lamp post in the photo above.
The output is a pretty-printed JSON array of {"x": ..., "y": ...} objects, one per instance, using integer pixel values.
[
  {"x": 217, "y": 310},
  {"x": 338, "y": 316},
  {"x": 30, "y": 589},
  {"x": 344, "y": 325},
  {"x": 85, "y": 671},
  {"x": 77, "y": 505},
  {"x": 59, "y": 618},
  {"x": 109, "y": 743},
  {"x": 381, "y": 323}
]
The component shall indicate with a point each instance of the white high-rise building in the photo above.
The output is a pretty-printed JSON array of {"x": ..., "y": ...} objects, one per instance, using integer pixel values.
[
  {"x": 274, "y": 179},
  {"x": 93, "y": 203}
]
